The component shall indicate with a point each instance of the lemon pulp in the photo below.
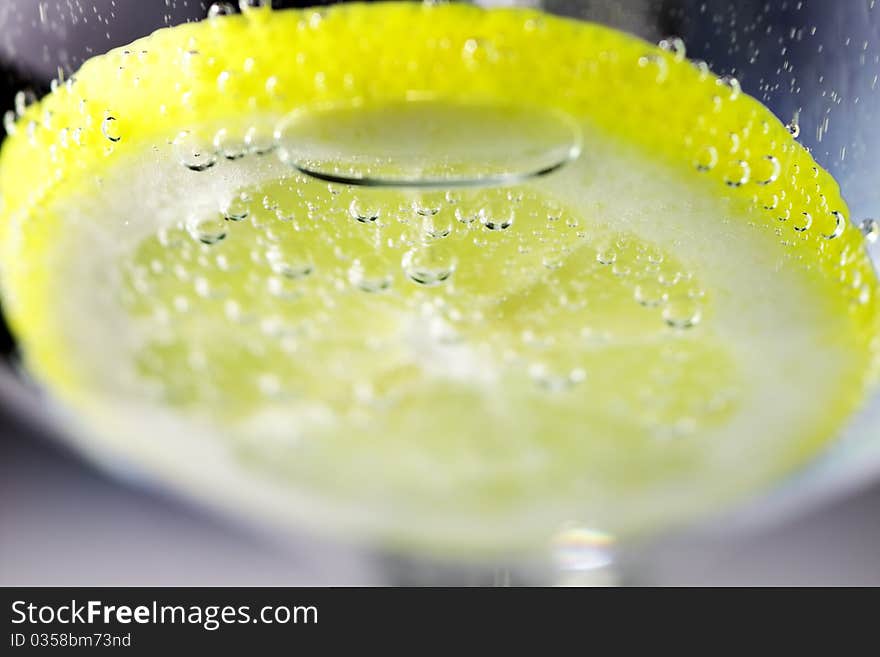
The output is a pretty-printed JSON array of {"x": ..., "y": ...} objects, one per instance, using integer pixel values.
[{"x": 454, "y": 296}]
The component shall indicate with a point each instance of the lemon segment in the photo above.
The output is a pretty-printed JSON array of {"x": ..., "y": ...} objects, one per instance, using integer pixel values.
[{"x": 452, "y": 294}]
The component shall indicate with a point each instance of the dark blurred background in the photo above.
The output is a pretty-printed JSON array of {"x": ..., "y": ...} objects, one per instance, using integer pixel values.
[{"x": 64, "y": 522}]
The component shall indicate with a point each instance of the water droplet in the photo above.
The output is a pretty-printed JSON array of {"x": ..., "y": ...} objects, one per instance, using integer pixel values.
[
  {"x": 237, "y": 208},
  {"x": 839, "y": 226},
  {"x": 870, "y": 228},
  {"x": 109, "y": 128},
  {"x": 682, "y": 313},
  {"x": 207, "y": 231},
  {"x": 363, "y": 213},
  {"x": 220, "y": 9},
  {"x": 793, "y": 126},
  {"x": 426, "y": 266}
]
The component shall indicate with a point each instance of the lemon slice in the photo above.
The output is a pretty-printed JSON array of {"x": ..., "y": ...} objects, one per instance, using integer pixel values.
[{"x": 434, "y": 276}]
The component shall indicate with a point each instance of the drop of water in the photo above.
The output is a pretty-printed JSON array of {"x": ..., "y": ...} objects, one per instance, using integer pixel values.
[
  {"x": 793, "y": 126},
  {"x": 220, "y": 9},
  {"x": 109, "y": 128},
  {"x": 870, "y": 228},
  {"x": 427, "y": 267}
]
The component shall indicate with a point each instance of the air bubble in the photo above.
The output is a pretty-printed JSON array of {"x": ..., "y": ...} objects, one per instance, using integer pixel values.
[
  {"x": 650, "y": 294},
  {"x": 259, "y": 141},
  {"x": 281, "y": 265},
  {"x": 424, "y": 209},
  {"x": 738, "y": 173},
  {"x": 839, "y": 226},
  {"x": 870, "y": 229},
  {"x": 606, "y": 257},
  {"x": 360, "y": 277},
  {"x": 425, "y": 267},
  {"x": 683, "y": 313},
  {"x": 220, "y": 9},
  {"x": 207, "y": 231},
  {"x": 237, "y": 208},
  {"x": 246, "y": 6},
  {"x": 775, "y": 170},
  {"x": 9, "y": 122},
  {"x": 495, "y": 222},
  {"x": 227, "y": 147},
  {"x": 674, "y": 45},
  {"x": 805, "y": 222},
  {"x": 109, "y": 128},
  {"x": 363, "y": 213},
  {"x": 23, "y": 99},
  {"x": 193, "y": 154},
  {"x": 732, "y": 84},
  {"x": 706, "y": 159},
  {"x": 656, "y": 62}
]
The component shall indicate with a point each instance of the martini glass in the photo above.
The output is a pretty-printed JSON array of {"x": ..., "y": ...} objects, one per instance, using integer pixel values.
[{"x": 813, "y": 63}]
